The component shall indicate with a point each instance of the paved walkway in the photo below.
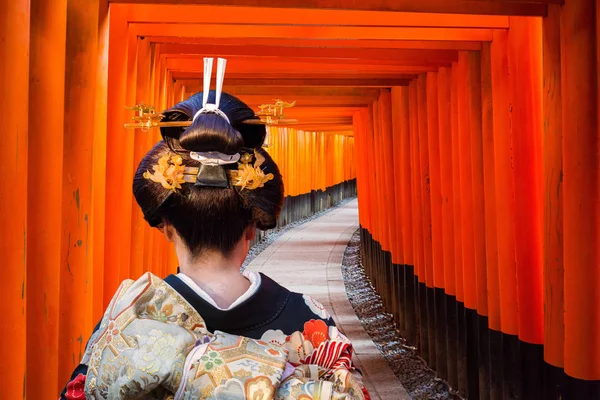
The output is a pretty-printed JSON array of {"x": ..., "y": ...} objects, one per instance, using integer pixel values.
[{"x": 308, "y": 259}]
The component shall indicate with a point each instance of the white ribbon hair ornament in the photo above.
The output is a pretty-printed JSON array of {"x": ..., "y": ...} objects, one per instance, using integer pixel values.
[{"x": 213, "y": 157}]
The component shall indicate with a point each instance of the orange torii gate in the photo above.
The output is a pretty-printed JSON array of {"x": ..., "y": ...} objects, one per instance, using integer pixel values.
[{"x": 471, "y": 127}]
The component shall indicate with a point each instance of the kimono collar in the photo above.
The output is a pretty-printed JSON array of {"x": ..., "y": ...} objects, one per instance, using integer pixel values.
[{"x": 259, "y": 310}]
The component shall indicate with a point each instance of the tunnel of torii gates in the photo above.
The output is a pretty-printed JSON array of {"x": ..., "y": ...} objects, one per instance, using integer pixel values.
[{"x": 468, "y": 127}]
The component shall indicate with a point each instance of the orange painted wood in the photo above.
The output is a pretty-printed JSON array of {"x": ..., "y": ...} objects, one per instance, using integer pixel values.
[
  {"x": 313, "y": 32},
  {"x": 400, "y": 124},
  {"x": 382, "y": 223},
  {"x": 446, "y": 188},
  {"x": 292, "y": 90},
  {"x": 97, "y": 216},
  {"x": 139, "y": 226},
  {"x": 554, "y": 268},
  {"x": 489, "y": 180},
  {"x": 352, "y": 43},
  {"x": 433, "y": 6},
  {"x": 363, "y": 169},
  {"x": 175, "y": 61},
  {"x": 505, "y": 192},
  {"x": 76, "y": 268},
  {"x": 524, "y": 38},
  {"x": 478, "y": 210},
  {"x": 44, "y": 217},
  {"x": 424, "y": 179},
  {"x": 433, "y": 142},
  {"x": 466, "y": 181},
  {"x": 415, "y": 162},
  {"x": 126, "y": 203},
  {"x": 456, "y": 184},
  {"x": 311, "y": 76},
  {"x": 14, "y": 83},
  {"x": 296, "y": 83},
  {"x": 119, "y": 142},
  {"x": 581, "y": 195},
  {"x": 301, "y": 54},
  {"x": 202, "y": 14},
  {"x": 391, "y": 178},
  {"x": 250, "y": 66}
]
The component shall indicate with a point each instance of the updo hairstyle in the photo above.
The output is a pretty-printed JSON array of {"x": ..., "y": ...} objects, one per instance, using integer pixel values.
[{"x": 210, "y": 218}]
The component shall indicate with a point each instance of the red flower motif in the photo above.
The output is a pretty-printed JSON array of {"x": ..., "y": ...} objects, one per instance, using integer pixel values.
[
  {"x": 316, "y": 331},
  {"x": 75, "y": 388},
  {"x": 112, "y": 330}
]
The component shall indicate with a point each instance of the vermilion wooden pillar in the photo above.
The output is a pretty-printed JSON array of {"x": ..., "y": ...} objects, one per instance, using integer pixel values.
[
  {"x": 97, "y": 217},
  {"x": 489, "y": 180},
  {"x": 447, "y": 206},
  {"x": 526, "y": 122},
  {"x": 554, "y": 325},
  {"x": 415, "y": 183},
  {"x": 581, "y": 191},
  {"x": 142, "y": 143},
  {"x": 46, "y": 125},
  {"x": 385, "y": 101},
  {"x": 424, "y": 178},
  {"x": 505, "y": 197},
  {"x": 127, "y": 167},
  {"x": 433, "y": 143},
  {"x": 400, "y": 97},
  {"x": 438, "y": 306},
  {"x": 76, "y": 286},
  {"x": 445, "y": 153},
  {"x": 456, "y": 193},
  {"x": 466, "y": 181},
  {"x": 117, "y": 155},
  {"x": 14, "y": 83}
]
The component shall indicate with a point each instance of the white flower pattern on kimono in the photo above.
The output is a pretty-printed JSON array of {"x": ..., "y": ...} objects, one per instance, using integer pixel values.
[
  {"x": 157, "y": 350},
  {"x": 298, "y": 347},
  {"x": 316, "y": 307},
  {"x": 276, "y": 337}
]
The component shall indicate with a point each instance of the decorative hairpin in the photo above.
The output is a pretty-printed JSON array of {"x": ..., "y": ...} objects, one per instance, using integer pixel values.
[
  {"x": 270, "y": 114},
  {"x": 171, "y": 173}
]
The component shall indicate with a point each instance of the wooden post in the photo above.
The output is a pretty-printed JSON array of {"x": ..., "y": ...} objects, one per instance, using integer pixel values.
[
  {"x": 46, "y": 124},
  {"x": 97, "y": 217},
  {"x": 581, "y": 193},
  {"x": 448, "y": 238},
  {"x": 554, "y": 325},
  {"x": 142, "y": 144},
  {"x": 76, "y": 285},
  {"x": 439, "y": 297},
  {"x": 117, "y": 148},
  {"x": 456, "y": 193},
  {"x": 385, "y": 112},
  {"x": 466, "y": 179},
  {"x": 505, "y": 201},
  {"x": 14, "y": 84}
]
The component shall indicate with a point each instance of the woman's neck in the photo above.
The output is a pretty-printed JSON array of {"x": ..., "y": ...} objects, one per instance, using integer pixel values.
[{"x": 217, "y": 275}]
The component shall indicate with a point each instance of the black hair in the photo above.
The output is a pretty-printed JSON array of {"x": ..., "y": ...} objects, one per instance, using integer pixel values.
[{"x": 210, "y": 217}]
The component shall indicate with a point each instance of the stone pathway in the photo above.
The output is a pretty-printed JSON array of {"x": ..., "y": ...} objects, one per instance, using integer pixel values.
[{"x": 308, "y": 259}]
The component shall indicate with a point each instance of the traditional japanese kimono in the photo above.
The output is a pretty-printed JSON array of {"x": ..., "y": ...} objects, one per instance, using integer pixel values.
[{"x": 161, "y": 339}]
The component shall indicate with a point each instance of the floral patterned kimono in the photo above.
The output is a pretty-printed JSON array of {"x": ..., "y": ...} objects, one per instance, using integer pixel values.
[{"x": 155, "y": 342}]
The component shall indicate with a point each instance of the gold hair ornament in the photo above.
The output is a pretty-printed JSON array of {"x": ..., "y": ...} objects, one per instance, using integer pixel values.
[
  {"x": 250, "y": 176},
  {"x": 146, "y": 117},
  {"x": 171, "y": 173}
]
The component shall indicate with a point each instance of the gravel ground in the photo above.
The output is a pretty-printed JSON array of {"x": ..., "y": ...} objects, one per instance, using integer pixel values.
[{"x": 412, "y": 371}]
